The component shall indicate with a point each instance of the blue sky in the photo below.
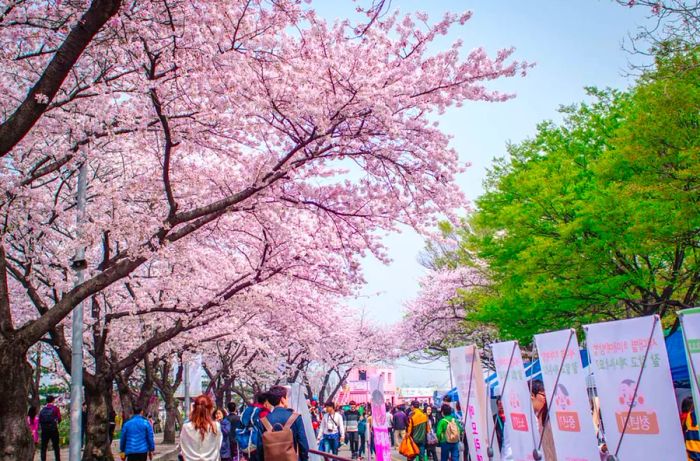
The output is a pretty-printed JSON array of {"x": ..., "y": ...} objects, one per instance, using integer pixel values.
[{"x": 574, "y": 43}]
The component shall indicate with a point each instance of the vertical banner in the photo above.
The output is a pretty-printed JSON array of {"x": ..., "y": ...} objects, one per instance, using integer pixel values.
[
  {"x": 297, "y": 402},
  {"x": 567, "y": 396},
  {"x": 382, "y": 444},
  {"x": 690, "y": 325},
  {"x": 515, "y": 396},
  {"x": 637, "y": 402},
  {"x": 468, "y": 376},
  {"x": 196, "y": 375}
]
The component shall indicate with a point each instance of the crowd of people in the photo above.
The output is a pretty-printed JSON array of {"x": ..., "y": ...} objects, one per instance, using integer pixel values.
[{"x": 268, "y": 430}]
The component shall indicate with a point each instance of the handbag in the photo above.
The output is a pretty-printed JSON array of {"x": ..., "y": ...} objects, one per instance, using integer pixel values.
[
  {"x": 431, "y": 439},
  {"x": 408, "y": 447}
]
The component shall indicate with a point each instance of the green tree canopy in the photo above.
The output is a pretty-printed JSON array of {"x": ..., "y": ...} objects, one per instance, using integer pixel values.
[{"x": 597, "y": 217}]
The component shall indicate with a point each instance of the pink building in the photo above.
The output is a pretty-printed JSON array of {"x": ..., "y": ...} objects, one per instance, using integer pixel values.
[{"x": 357, "y": 386}]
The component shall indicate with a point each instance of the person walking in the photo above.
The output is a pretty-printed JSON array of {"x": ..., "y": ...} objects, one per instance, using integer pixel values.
[
  {"x": 449, "y": 433},
  {"x": 400, "y": 423},
  {"x": 431, "y": 440},
  {"x": 137, "y": 442},
  {"x": 539, "y": 404},
  {"x": 418, "y": 427},
  {"x": 279, "y": 419},
  {"x": 331, "y": 430},
  {"x": 200, "y": 437},
  {"x": 33, "y": 424},
  {"x": 221, "y": 418},
  {"x": 49, "y": 418},
  {"x": 351, "y": 420},
  {"x": 390, "y": 425},
  {"x": 362, "y": 433}
]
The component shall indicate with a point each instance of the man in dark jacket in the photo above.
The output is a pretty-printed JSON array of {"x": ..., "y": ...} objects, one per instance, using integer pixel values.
[
  {"x": 400, "y": 424},
  {"x": 277, "y": 397},
  {"x": 49, "y": 417}
]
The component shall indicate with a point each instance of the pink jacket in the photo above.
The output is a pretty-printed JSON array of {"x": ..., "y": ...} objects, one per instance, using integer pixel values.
[{"x": 34, "y": 427}]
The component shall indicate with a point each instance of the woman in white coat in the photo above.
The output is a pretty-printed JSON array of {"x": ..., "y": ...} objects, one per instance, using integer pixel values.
[{"x": 200, "y": 438}]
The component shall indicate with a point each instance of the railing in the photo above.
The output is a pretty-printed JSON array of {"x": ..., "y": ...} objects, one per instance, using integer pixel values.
[{"x": 329, "y": 456}]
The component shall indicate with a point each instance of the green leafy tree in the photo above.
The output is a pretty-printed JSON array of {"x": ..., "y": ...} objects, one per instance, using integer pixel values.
[{"x": 596, "y": 218}]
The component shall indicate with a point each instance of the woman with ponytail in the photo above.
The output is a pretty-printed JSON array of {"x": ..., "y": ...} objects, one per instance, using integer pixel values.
[{"x": 200, "y": 438}]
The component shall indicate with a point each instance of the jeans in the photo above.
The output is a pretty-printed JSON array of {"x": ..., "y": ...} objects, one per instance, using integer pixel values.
[
  {"x": 431, "y": 452},
  {"x": 363, "y": 444},
  {"x": 52, "y": 435},
  {"x": 449, "y": 451},
  {"x": 421, "y": 452},
  {"x": 391, "y": 437},
  {"x": 330, "y": 444},
  {"x": 352, "y": 438}
]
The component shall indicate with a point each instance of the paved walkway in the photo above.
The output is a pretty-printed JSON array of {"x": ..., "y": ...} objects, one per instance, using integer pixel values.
[{"x": 164, "y": 452}]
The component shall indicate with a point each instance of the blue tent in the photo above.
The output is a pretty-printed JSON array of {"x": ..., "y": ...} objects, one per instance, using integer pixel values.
[{"x": 676, "y": 359}]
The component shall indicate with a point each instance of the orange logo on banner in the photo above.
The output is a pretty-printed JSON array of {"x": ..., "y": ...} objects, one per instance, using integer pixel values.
[
  {"x": 641, "y": 422},
  {"x": 568, "y": 421},
  {"x": 519, "y": 421}
]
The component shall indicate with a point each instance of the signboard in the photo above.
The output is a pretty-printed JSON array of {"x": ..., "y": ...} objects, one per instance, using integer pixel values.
[
  {"x": 382, "y": 443},
  {"x": 690, "y": 323},
  {"x": 565, "y": 385},
  {"x": 465, "y": 364},
  {"x": 515, "y": 396},
  {"x": 194, "y": 378},
  {"x": 297, "y": 401},
  {"x": 634, "y": 384}
]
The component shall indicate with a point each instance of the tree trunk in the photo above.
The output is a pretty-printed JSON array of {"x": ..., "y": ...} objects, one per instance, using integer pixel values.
[
  {"x": 219, "y": 396},
  {"x": 170, "y": 417},
  {"x": 35, "y": 400},
  {"x": 98, "y": 395},
  {"x": 16, "y": 442}
]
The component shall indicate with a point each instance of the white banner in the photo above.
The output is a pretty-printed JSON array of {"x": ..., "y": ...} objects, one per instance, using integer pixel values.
[
  {"x": 194, "y": 378},
  {"x": 690, "y": 322},
  {"x": 570, "y": 412},
  {"x": 297, "y": 402},
  {"x": 648, "y": 417},
  {"x": 516, "y": 400},
  {"x": 468, "y": 375}
]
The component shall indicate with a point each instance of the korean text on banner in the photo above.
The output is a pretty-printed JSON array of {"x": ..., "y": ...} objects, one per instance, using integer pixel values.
[
  {"x": 468, "y": 375},
  {"x": 382, "y": 444},
  {"x": 570, "y": 412},
  {"x": 515, "y": 396},
  {"x": 690, "y": 323},
  {"x": 648, "y": 417},
  {"x": 297, "y": 401}
]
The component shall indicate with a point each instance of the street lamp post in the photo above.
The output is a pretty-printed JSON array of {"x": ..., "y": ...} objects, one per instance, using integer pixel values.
[{"x": 76, "y": 388}]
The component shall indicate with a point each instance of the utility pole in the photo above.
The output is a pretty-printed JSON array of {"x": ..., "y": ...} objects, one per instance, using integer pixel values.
[
  {"x": 76, "y": 372},
  {"x": 187, "y": 391}
]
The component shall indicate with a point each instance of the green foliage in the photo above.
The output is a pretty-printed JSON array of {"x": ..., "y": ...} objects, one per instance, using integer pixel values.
[{"x": 596, "y": 218}]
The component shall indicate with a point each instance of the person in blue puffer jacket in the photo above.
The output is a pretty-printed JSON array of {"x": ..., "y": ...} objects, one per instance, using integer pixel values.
[{"x": 137, "y": 441}]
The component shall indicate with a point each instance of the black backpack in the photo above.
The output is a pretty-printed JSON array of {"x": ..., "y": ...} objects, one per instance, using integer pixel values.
[{"x": 47, "y": 418}]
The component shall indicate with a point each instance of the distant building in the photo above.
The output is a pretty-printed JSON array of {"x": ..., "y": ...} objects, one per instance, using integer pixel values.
[{"x": 357, "y": 386}]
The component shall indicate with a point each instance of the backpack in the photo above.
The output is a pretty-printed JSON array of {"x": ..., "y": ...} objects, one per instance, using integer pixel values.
[
  {"x": 452, "y": 431},
  {"x": 47, "y": 418},
  {"x": 247, "y": 437},
  {"x": 279, "y": 445}
]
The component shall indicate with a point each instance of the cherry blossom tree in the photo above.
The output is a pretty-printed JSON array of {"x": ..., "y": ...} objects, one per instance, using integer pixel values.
[
  {"x": 252, "y": 128},
  {"x": 441, "y": 315}
]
